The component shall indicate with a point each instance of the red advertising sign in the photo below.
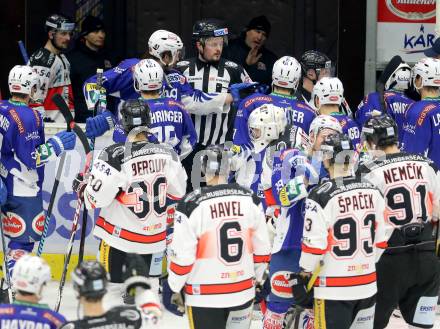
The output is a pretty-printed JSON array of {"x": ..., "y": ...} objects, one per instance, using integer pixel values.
[{"x": 406, "y": 11}]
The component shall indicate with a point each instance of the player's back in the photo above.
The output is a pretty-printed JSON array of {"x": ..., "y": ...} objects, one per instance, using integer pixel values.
[
  {"x": 134, "y": 183},
  {"x": 349, "y": 128},
  {"x": 351, "y": 212},
  {"x": 397, "y": 106},
  {"x": 225, "y": 221},
  {"x": 411, "y": 186},
  {"x": 117, "y": 317},
  {"x": 29, "y": 316}
]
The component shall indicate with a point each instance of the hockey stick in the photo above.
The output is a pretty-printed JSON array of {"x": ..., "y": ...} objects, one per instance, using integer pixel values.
[
  {"x": 61, "y": 104},
  {"x": 6, "y": 275},
  {"x": 23, "y": 51},
  {"x": 69, "y": 119},
  {"x": 101, "y": 104}
]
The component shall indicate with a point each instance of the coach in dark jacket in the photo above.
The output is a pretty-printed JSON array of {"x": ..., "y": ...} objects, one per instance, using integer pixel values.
[
  {"x": 249, "y": 50},
  {"x": 87, "y": 55}
]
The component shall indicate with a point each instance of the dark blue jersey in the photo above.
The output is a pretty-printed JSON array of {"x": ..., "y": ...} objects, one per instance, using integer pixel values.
[
  {"x": 27, "y": 315},
  {"x": 22, "y": 132},
  {"x": 297, "y": 113},
  {"x": 396, "y": 106},
  {"x": 422, "y": 130},
  {"x": 170, "y": 124}
]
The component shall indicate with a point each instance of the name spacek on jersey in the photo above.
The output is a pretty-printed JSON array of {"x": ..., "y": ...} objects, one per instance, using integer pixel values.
[
  {"x": 220, "y": 246},
  {"x": 343, "y": 225},
  {"x": 134, "y": 183}
]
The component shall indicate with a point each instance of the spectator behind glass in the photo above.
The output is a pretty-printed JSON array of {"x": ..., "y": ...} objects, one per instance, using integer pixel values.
[
  {"x": 249, "y": 51},
  {"x": 88, "y": 54}
]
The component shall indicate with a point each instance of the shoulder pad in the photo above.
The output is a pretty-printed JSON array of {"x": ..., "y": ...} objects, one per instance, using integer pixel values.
[
  {"x": 128, "y": 312},
  {"x": 55, "y": 318},
  {"x": 42, "y": 57},
  {"x": 424, "y": 112},
  {"x": 231, "y": 64},
  {"x": 113, "y": 154}
]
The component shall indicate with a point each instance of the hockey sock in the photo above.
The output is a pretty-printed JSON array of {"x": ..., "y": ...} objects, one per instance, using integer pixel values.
[
  {"x": 16, "y": 250},
  {"x": 274, "y": 316}
]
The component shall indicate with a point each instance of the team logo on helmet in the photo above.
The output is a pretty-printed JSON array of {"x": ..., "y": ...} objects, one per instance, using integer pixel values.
[{"x": 413, "y": 10}]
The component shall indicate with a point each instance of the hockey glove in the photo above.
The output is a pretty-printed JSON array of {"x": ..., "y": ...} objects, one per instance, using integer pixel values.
[
  {"x": 167, "y": 299},
  {"x": 293, "y": 191},
  {"x": 302, "y": 297},
  {"x": 64, "y": 140},
  {"x": 99, "y": 124},
  {"x": 235, "y": 89},
  {"x": 79, "y": 184},
  {"x": 3, "y": 193}
]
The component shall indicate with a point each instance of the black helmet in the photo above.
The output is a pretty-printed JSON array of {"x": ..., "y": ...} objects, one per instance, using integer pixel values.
[
  {"x": 338, "y": 147},
  {"x": 208, "y": 28},
  {"x": 216, "y": 160},
  {"x": 135, "y": 113},
  {"x": 381, "y": 130},
  {"x": 315, "y": 60},
  {"x": 59, "y": 23},
  {"x": 90, "y": 279}
]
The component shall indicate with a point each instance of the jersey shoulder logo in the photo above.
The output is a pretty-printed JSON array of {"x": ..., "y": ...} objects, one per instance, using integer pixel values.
[{"x": 231, "y": 64}]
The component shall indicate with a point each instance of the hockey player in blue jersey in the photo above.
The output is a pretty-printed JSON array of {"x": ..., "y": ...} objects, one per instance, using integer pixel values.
[
  {"x": 286, "y": 75},
  {"x": 328, "y": 95},
  {"x": 24, "y": 152},
  {"x": 29, "y": 278},
  {"x": 170, "y": 123},
  {"x": 165, "y": 48},
  {"x": 291, "y": 167},
  {"x": 266, "y": 123},
  {"x": 422, "y": 130},
  {"x": 394, "y": 81}
]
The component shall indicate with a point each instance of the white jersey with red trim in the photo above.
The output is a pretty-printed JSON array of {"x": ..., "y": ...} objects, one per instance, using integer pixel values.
[
  {"x": 134, "y": 183},
  {"x": 343, "y": 227},
  {"x": 411, "y": 186},
  {"x": 220, "y": 246},
  {"x": 54, "y": 78}
]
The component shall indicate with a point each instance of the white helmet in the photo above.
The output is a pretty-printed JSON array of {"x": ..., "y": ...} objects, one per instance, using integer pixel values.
[
  {"x": 147, "y": 75},
  {"x": 329, "y": 91},
  {"x": 399, "y": 79},
  {"x": 323, "y": 122},
  {"x": 161, "y": 41},
  {"x": 429, "y": 70},
  {"x": 30, "y": 274},
  {"x": 286, "y": 72},
  {"x": 21, "y": 79},
  {"x": 266, "y": 123}
]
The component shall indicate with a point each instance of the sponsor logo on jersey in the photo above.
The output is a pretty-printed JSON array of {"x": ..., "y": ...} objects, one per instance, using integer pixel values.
[
  {"x": 7, "y": 310},
  {"x": 413, "y": 10},
  {"x": 436, "y": 119},
  {"x": 17, "y": 120},
  {"x": 4, "y": 122},
  {"x": 52, "y": 319},
  {"x": 13, "y": 225},
  {"x": 38, "y": 223},
  {"x": 259, "y": 98},
  {"x": 424, "y": 113},
  {"x": 281, "y": 284}
]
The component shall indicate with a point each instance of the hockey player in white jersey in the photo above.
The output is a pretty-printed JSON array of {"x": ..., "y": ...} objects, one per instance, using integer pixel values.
[
  {"x": 133, "y": 183},
  {"x": 343, "y": 227},
  {"x": 90, "y": 281},
  {"x": 220, "y": 249},
  {"x": 408, "y": 272}
]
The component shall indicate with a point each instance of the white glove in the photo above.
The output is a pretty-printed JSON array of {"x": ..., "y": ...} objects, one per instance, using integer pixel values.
[{"x": 148, "y": 303}]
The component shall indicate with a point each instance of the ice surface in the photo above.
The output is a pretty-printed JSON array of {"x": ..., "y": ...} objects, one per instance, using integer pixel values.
[{"x": 169, "y": 321}]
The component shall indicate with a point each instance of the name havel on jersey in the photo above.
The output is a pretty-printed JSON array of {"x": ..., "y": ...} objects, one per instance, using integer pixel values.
[
  {"x": 343, "y": 226},
  {"x": 134, "y": 183},
  {"x": 222, "y": 228},
  {"x": 121, "y": 317}
]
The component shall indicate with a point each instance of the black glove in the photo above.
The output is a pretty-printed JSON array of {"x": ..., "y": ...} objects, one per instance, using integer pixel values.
[
  {"x": 79, "y": 185},
  {"x": 134, "y": 274},
  {"x": 302, "y": 297}
]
